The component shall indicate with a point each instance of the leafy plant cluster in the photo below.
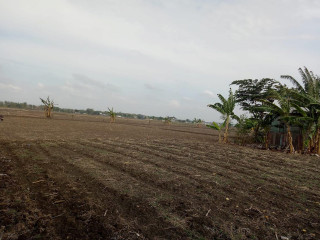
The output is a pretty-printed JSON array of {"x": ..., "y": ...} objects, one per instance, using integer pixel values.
[
  {"x": 197, "y": 122},
  {"x": 267, "y": 100}
]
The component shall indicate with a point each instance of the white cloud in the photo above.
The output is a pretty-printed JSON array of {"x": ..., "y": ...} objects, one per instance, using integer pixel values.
[
  {"x": 9, "y": 87},
  {"x": 40, "y": 85},
  {"x": 208, "y": 93},
  {"x": 174, "y": 103},
  {"x": 88, "y": 88}
]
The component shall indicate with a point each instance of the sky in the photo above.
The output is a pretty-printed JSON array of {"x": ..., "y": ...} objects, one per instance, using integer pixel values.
[{"x": 154, "y": 57}]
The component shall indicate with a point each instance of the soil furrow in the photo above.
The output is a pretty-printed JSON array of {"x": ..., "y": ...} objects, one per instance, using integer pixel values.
[
  {"x": 128, "y": 206},
  {"x": 245, "y": 162},
  {"x": 141, "y": 186},
  {"x": 226, "y": 171},
  {"x": 255, "y": 194}
]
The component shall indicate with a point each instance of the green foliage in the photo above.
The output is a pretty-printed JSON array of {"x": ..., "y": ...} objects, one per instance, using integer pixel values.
[
  {"x": 112, "y": 114},
  {"x": 307, "y": 95},
  {"x": 226, "y": 108},
  {"x": 245, "y": 127},
  {"x": 198, "y": 122},
  {"x": 249, "y": 94},
  {"x": 310, "y": 83},
  {"x": 195, "y": 120},
  {"x": 218, "y": 127},
  {"x": 267, "y": 100}
]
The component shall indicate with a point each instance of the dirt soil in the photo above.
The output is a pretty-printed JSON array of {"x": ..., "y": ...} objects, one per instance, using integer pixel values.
[{"x": 86, "y": 178}]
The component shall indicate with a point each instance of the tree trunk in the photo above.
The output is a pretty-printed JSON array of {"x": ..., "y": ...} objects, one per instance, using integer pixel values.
[
  {"x": 225, "y": 137},
  {"x": 290, "y": 139},
  {"x": 256, "y": 130},
  {"x": 317, "y": 150},
  {"x": 314, "y": 142},
  {"x": 266, "y": 140},
  {"x": 311, "y": 144}
]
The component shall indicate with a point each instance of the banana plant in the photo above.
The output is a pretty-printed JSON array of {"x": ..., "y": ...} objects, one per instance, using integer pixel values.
[
  {"x": 226, "y": 108},
  {"x": 308, "y": 96},
  {"x": 288, "y": 110},
  {"x": 48, "y": 106},
  {"x": 112, "y": 115},
  {"x": 219, "y": 127}
]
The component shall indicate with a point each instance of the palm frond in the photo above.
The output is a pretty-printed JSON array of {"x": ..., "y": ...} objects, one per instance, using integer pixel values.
[
  {"x": 293, "y": 81},
  {"x": 235, "y": 117},
  {"x": 218, "y": 107},
  {"x": 222, "y": 99},
  {"x": 214, "y": 125},
  {"x": 273, "y": 107}
]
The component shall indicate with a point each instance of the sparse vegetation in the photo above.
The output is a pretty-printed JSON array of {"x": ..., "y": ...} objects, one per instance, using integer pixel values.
[
  {"x": 48, "y": 106},
  {"x": 197, "y": 122},
  {"x": 167, "y": 120},
  {"x": 112, "y": 115}
]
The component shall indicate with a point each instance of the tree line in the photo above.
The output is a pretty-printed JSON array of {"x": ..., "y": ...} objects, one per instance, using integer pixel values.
[{"x": 48, "y": 106}]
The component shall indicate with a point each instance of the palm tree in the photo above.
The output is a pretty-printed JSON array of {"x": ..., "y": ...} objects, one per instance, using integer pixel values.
[
  {"x": 112, "y": 115},
  {"x": 48, "y": 106},
  {"x": 309, "y": 95},
  {"x": 226, "y": 108}
]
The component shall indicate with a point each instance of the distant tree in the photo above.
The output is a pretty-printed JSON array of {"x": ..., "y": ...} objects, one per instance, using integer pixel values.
[
  {"x": 167, "y": 120},
  {"x": 48, "y": 106},
  {"x": 90, "y": 111},
  {"x": 226, "y": 108},
  {"x": 140, "y": 116},
  {"x": 198, "y": 122},
  {"x": 112, "y": 115}
]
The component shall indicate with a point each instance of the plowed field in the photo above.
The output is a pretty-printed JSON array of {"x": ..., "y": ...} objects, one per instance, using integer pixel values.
[{"x": 67, "y": 179}]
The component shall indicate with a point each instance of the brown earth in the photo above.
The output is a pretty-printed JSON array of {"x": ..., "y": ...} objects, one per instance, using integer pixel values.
[{"x": 81, "y": 177}]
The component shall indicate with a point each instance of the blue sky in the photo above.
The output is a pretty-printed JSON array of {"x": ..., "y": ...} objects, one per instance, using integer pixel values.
[{"x": 151, "y": 57}]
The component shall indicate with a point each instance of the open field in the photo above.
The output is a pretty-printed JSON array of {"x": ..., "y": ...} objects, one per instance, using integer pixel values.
[{"x": 85, "y": 178}]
